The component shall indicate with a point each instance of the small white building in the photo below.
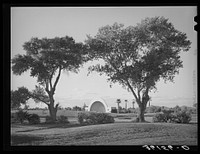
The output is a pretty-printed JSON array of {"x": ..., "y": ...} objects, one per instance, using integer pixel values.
[{"x": 98, "y": 105}]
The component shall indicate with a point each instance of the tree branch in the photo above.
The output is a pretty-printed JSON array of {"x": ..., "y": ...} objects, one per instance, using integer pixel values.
[
  {"x": 50, "y": 82},
  {"x": 38, "y": 98},
  {"x": 57, "y": 78},
  {"x": 47, "y": 86},
  {"x": 138, "y": 93},
  {"x": 129, "y": 85},
  {"x": 131, "y": 90},
  {"x": 145, "y": 97}
]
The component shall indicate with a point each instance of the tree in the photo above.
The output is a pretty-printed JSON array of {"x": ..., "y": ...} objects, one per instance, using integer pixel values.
[
  {"x": 46, "y": 59},
  {"x": 76, "y": 108},
  {"x": 68, "y": 108},
  {"x": 177, "y": 109},
  {"x": 19, "y": 97},
  {"x": 137, "y": 57},
  {"x": 118, "y": 107},
  {"x": 26, "y": 107},
  {"x": 84, "y": 107}
]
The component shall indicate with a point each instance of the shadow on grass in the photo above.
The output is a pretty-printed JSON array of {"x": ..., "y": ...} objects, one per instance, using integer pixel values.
[
  {"x": 42, "y": 126},
  {"x": 24, "y": 139}
]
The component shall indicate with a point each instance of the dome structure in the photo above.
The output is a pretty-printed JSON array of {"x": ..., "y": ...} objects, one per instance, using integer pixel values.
[{"x": 98, "y": 105}]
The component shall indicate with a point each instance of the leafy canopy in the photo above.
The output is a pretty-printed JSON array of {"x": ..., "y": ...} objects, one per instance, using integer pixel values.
[
  {"x": 138, "y": 56},
  {"x": 45, "y": 56},
  {"x": 19, "y": 97}
]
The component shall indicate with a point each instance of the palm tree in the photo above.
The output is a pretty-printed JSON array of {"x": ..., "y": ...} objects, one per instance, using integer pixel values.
[
  {"x": 149, "y": 101},
  {"x": 133, "y": 102},
  {"x": 118, "y": 102},
  {"x": 126, "y": 103},
  {"x": 84, "y": 106}
]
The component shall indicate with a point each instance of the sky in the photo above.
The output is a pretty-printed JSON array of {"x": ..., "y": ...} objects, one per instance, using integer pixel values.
[{"x": 77, "y": 22}]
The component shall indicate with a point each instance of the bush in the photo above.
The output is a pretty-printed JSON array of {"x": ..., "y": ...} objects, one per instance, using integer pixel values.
[
  {"x": 94, "y": 118},
  {"x": 165, "y": 116},
  {"x": 33, "y": 119},
  {"x": 21, "y": 116},
  {"x": 176, "y": 117},
  {"x": 113, "y": 110},
  {"x": 182, "y": 117},
  {"x": 49, "y": 120},
  {"x": 62, "y": 119},
  {"x": 13, "y": 118},
  {"x": 159, "y": 117}
]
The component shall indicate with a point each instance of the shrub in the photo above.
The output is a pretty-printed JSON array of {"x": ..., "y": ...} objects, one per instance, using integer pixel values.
[
  {"x": 176, "y": 117},
  {"x": 81, "y": 117},
  {"x": 13, "y": 118},
  {"x": 94, "y": 118},
  {"x": 113, "y": 110},
  {"x": 152, "y": 109},
  {"x": 62, "y": 119},
  {"x": 165, "y": 116},
  {"x": 21, "y": 116},
  {"x": 33, "y": 119},
  {"x": 49, "y": 120},
  {"x": 182, "y": 117},
  {"x": 158, "y": 110},
  {"x": 159, "y": 117}
]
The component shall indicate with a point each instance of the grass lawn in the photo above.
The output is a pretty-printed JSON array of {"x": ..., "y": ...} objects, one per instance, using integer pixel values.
[{"x": 124, "y": 133}]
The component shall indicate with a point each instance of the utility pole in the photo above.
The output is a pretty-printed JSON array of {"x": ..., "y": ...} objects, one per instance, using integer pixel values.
[{"x": 194, "y": 87}]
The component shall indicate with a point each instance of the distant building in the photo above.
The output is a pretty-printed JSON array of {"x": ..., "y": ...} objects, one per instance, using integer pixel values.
[{"x": 98, "y": 105}]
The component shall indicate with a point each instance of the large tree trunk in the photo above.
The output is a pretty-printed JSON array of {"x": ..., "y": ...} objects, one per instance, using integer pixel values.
[
  {"x": 52, "y": 112},
  {"x": 52, "y": 109},
  {"x": 142, "y": 102},
  {"x": 142, "y": 107},
  {"x": 140, "y": 117}
]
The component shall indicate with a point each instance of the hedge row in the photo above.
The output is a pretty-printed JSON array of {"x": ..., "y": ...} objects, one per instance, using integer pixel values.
[
  {"x": 174, "y": 117},
  {"x": 21, "y": 116},
  {"x": 60, "y": 119},
  {"x": 94, "y": 118}
]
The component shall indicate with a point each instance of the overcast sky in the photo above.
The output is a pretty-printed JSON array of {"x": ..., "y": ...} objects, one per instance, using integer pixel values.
[{"x": 75, "y": 89}]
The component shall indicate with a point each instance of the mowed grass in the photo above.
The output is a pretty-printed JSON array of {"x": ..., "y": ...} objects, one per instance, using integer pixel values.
[
  {"x": 122, "y": 132},
  {"x": 106, "y": 134}
]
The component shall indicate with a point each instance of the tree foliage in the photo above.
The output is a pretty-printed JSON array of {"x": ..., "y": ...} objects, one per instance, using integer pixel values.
[
  {"x": 137, "y": 57},
  {"x": 19, "y": 97},
  {"x": 45, "y": 59},
  {"x": 142, "y": 54}
]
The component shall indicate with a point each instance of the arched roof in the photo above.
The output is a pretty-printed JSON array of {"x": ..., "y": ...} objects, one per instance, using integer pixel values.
[{"x": 98, "y": 100}]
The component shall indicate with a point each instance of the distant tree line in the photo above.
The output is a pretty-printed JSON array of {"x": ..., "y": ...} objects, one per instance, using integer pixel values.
[{"x": 156, "y": 109}]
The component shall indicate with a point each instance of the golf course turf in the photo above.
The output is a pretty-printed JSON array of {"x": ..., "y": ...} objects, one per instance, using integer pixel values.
[{"x": 126, "y": 133}]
